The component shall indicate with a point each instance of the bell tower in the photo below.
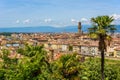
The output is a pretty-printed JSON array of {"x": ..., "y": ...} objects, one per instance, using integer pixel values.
[{"x": 79, "y": 28}]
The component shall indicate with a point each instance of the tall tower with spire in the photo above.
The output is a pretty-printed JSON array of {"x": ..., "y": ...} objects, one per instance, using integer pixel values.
[{"x": 79, "y": 28}]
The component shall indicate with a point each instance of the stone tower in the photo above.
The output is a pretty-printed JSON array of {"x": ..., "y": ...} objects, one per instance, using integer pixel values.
[{"x": 79, "y": 28}]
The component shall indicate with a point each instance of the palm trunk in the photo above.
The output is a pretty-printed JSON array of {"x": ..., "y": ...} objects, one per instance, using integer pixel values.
[
  {"x": 102, "y": 65},
  {"x": 102, "y": 49}
]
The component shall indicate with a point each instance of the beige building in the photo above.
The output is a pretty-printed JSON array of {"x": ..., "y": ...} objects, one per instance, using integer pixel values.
[{"x": 117, "y": 52}]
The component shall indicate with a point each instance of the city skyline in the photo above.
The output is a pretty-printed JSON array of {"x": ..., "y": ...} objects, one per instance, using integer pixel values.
[{"x": 58, "y": 13}]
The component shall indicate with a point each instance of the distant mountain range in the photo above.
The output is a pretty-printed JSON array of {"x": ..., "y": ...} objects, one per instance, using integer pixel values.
[{"x": 48, "y": 29}]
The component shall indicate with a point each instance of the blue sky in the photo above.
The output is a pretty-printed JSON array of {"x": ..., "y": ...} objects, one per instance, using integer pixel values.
[{"x": 21, "y": 13}]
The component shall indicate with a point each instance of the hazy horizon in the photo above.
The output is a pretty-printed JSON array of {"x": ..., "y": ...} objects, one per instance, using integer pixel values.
[{"x": 49, "y": 29}]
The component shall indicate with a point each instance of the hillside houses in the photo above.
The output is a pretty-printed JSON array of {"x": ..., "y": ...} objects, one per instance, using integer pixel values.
[{"x": 60, "y": 43}]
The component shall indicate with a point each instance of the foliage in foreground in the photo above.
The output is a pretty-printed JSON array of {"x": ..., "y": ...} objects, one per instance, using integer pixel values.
[
  {"x": 101, "y": 27},
  {"x": 35, "y": 65}
]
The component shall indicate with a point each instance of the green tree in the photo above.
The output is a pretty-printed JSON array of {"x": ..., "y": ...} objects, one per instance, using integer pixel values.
[
  {"x": 101, "y": 27},
  {"x": 8, "y": 69},
  {"x": 67, "y": 67},
  {"x": 30, "y": 50},
  {"x": 92, "y": 68},
  {"x": 70, "y": 48},
  {"x": 34, "y": 65}
]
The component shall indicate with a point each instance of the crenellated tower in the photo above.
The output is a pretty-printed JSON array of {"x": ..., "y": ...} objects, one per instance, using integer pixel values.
[{"x": 79, "y": 28}]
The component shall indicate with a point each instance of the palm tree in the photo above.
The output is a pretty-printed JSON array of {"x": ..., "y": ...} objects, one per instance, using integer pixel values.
[
  {"x": 68, "y": 67},
  {"x": 30, "y": 50},
  {"x": 35, "y": 57},
  {"x": 101, "y": 27}
]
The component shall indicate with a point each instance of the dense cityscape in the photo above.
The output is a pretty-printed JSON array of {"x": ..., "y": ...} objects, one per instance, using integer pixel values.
[
  {"x": 60, "y": 43},
  {"x": 15, "y": 46},
  {"x": 59, "y": 40}
]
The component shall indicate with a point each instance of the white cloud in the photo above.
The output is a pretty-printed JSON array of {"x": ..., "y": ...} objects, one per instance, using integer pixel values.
[
  {"x": 17, "y": 21},
  {"x": 74, "y": 20},
  {"x": 84, "y": 20},
  {"x": 47, "y": 20},
  {"x": 116, "y": 16},
  {"x": 26, "y": 21}
]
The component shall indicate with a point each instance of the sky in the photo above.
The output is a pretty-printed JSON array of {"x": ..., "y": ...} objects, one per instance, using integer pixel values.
[{"x": 58, "y": 13}]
